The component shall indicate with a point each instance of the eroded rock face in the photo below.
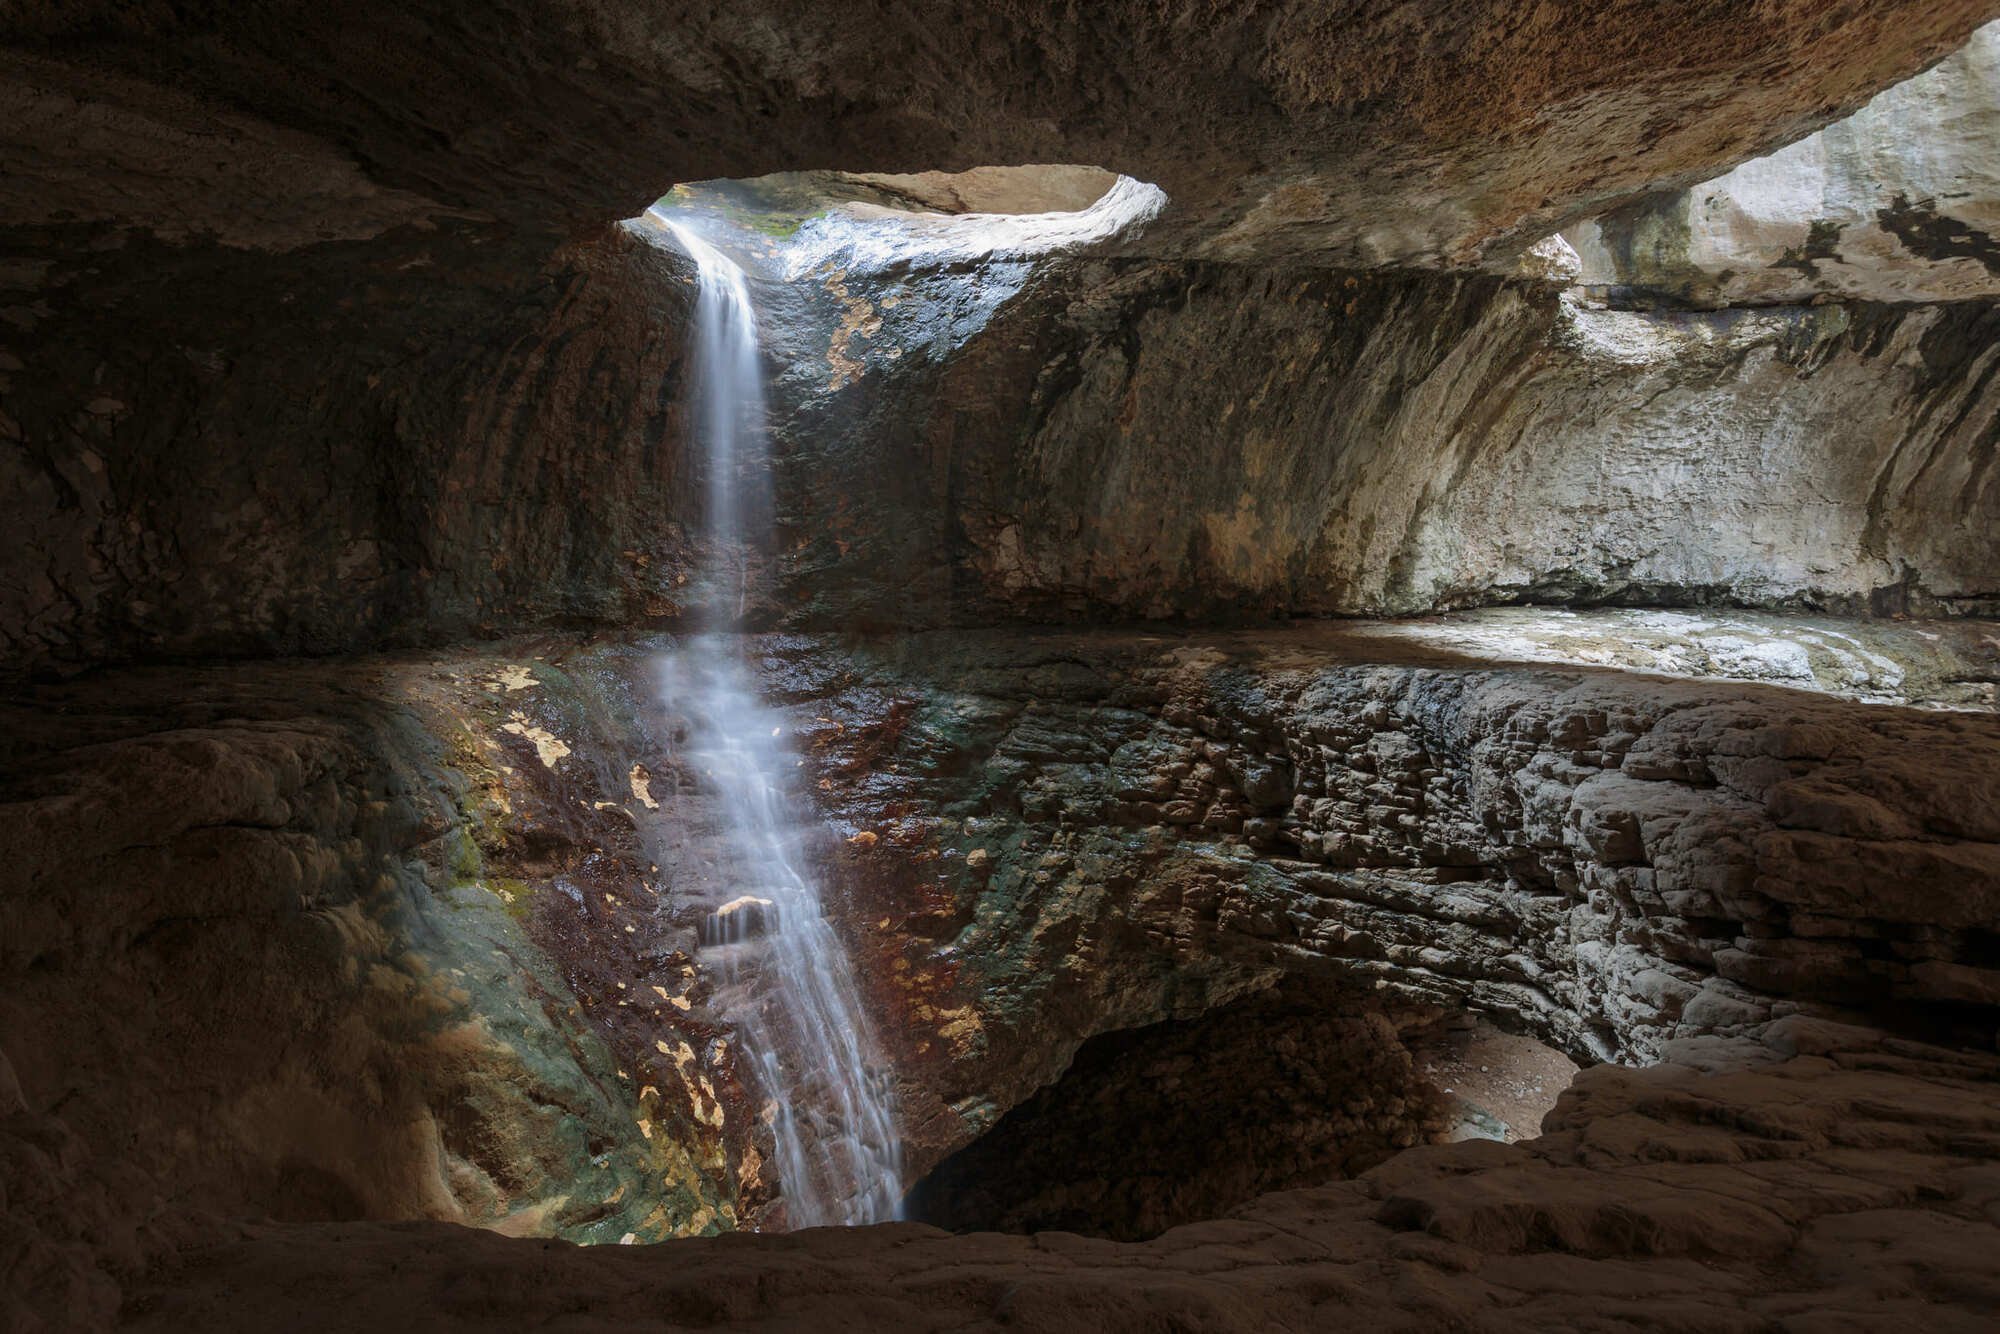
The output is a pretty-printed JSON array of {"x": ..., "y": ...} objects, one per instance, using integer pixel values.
[
  {"x": 244, "y": 977},
  {"x": 1183, "y": 1121},
  {"x": 473, "y": 886},
  {"x": 1076, "y": 834},
  {"x": 429, "y": 435},
  {"x": 1745, "y": 1182},
  {"x": 1125, "y": 440},
  {"x": 1898, "y": 202}
]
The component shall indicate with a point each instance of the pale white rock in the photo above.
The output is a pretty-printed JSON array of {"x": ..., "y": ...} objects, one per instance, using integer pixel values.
[
  {"x": 1899, "y": 202},
  {"x": 858, "y": 238},
  {"x": 1550, "y": 260}
]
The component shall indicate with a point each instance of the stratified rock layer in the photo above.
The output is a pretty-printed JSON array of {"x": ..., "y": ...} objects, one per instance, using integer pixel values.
[
  {"x": 472, "y": 886},
  {"x": 1060, "y": 835},
  {"x": 1125, "y": 440}
]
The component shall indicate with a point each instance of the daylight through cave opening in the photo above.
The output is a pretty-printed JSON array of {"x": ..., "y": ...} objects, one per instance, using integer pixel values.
[{"x": 785, "y": 987}]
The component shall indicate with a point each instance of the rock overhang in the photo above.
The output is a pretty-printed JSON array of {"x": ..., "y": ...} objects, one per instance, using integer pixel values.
[{"x": 1427, "y": 134}]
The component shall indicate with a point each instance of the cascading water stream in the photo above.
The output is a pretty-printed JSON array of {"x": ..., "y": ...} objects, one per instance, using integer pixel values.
[
  {"x": 730, "y": 418},
  {"x": 793, "y": 994}
]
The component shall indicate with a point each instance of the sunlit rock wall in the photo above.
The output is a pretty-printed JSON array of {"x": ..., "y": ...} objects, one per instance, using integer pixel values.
[
  {"x": 1898, "y": 202},
  {"x": 1062, "y": 834},
  {"x": 259, "y": 957},
  {"x": 1130, "y": 440}
]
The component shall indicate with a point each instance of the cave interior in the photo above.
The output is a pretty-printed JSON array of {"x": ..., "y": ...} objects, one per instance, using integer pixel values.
[{"x": 1145, "y": 666}]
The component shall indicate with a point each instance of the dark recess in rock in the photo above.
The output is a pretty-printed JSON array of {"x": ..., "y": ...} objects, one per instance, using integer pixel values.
[
  {"x": 1155, "y": 1127},
  {"x": 1934, "y": 235}
]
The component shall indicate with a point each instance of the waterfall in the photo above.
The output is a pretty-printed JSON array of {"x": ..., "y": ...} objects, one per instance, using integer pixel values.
[
  {"x": 729, "y": 418},
  {"x": 790, "y": 989}
]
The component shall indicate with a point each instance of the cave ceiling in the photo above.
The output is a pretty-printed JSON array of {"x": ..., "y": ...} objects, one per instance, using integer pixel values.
[{"x": 1359, "y": 134}]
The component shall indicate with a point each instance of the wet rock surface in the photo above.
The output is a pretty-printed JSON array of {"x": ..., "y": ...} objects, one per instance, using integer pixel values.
[
  {"x": 473, "y": 887},
  {"x": 1079, "y": 833}
]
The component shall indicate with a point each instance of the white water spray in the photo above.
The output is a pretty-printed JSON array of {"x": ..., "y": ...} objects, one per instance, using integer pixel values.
[
  {"x": 729, "y": 416},
  {"x": 790, "y": 988}
]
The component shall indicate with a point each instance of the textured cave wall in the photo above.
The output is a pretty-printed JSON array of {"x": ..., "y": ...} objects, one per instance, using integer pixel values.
[
  {"x": 315, "y": 337},
  {"x": 1059, "y": 835},
  {"x": 1110, "y": 438},
  {"x": 1121, "y": 439},
  {"x": 246, "y": 971},
  {"x": 312, "y": 337},
  {"x": 426, "y": 435},
  {"x": 462, "y": 891},
  {"x": 1374, "y": 134},
  {"x": 1898, "y": 202},
  {"x": 374, "y": 939},
  {"x": 1039, "y": 440}
]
